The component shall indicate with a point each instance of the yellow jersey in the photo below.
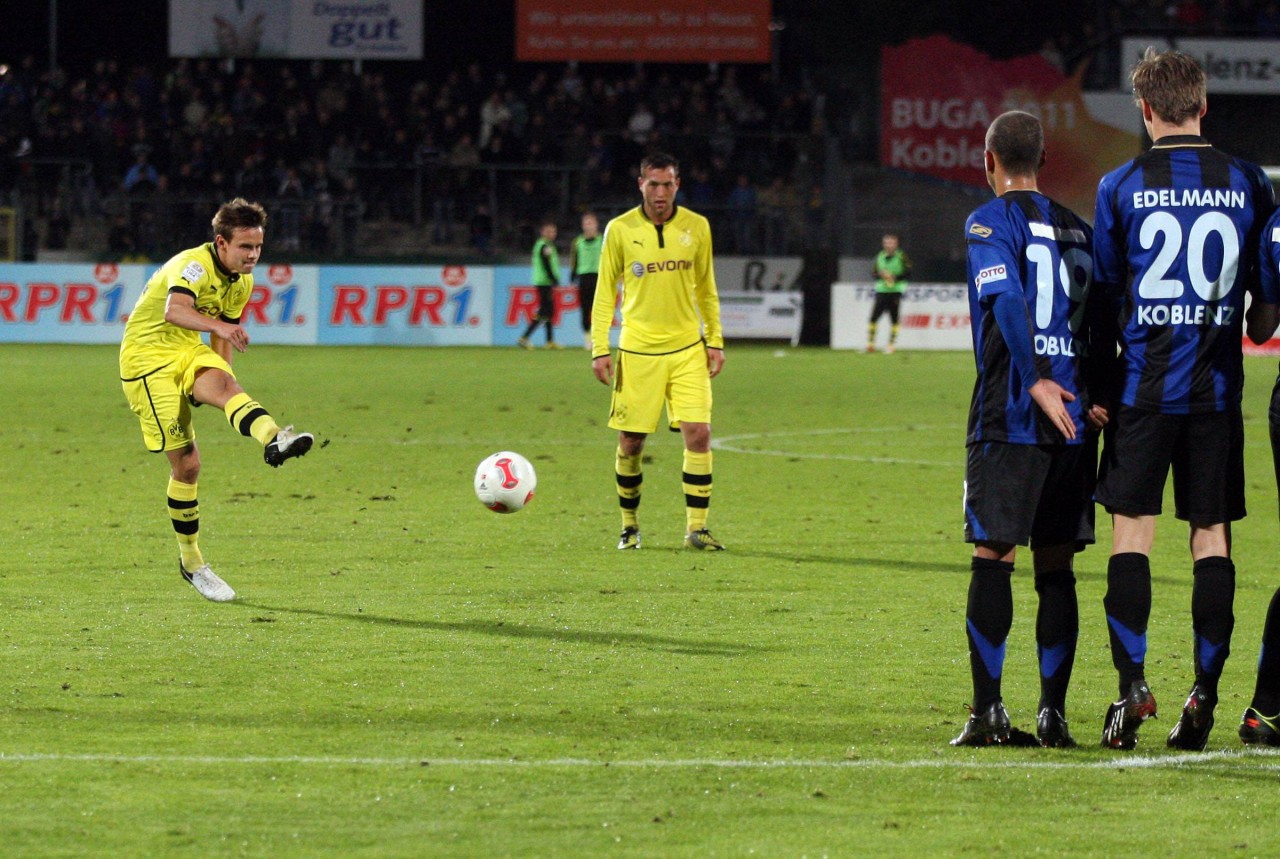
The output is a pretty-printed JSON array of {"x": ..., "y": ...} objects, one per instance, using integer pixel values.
[
  {"x": 669, "y": 299},
  {"x": 149, "y": 340}
]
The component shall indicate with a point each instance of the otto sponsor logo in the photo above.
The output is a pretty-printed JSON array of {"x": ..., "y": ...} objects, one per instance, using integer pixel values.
[
  {"x": 991, "y": 274},
  {"x": 61, "y": 302},
  {"x": 437, "y": 306},
  {"x": 1200, "y": 314},
  {"x": 524, "y": 302}
]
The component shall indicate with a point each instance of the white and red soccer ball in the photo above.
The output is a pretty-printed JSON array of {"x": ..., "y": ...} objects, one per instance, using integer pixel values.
[{"x": 505, "y": 482}]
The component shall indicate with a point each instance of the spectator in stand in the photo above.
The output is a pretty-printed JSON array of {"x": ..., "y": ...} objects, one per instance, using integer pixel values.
[
  {"x": 742, "y": 214},
  {"x": 141, "y": 177}
]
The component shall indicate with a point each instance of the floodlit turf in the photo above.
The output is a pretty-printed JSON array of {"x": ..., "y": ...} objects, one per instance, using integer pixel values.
[{"x": 405, "y": 673}]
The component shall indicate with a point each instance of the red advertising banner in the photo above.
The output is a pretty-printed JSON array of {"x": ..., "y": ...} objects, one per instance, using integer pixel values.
[
  {"x": 651, "y": 31},
  {"x": 939, "y": 96}
]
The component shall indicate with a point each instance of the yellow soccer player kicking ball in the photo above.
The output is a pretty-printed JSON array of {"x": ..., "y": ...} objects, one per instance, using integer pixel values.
[{"x": 166, "y": 369}]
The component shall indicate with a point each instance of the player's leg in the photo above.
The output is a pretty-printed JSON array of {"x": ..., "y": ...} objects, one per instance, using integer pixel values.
[
  {"x": 1135, "y": 465},
  {"x": 1001, "y": 483},
  {"x": 184, "y": 513},
  {"x": 628, "y": 475},
  {"x": 689, "y": 406},
  {"x": 586, "y": 300},
  {"x": 547, "y": 312},
  {"x": 215, "y": 385},
  {"x": 1064, "y": 525},
  {"x": 164, "y": 413},
  {"x": 877, "y": 308},
  {"x": 1208, "y": 481},
  {"x": 636, "y": 404},
  {"x": 1261, "y": 721},
  {"x": 894, "y": 308}
]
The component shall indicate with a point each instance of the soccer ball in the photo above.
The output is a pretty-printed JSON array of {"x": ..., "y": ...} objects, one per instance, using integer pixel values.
[{"x": 505, "y": 482}]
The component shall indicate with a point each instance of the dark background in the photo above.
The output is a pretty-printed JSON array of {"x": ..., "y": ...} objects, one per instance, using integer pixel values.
[{"x": 817, "y": 32}]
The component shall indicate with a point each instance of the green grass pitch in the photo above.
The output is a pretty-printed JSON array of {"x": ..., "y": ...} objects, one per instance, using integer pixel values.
[{"x": 407, "y": 674}]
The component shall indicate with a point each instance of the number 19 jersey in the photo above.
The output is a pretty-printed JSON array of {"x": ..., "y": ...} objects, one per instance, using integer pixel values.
[
  {"x": 1025, "y": 243},
  {"x": 1174, "y": 253}
]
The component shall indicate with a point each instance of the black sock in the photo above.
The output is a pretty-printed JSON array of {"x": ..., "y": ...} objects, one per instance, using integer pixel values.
[
  {"x": 1128, "y": 607},
  {"x": 1057, "y": 628},
  {"x": 1266, "y": 695},
  {"x": 988, "y": 617},
  {"x": 1212, "y": 619}
]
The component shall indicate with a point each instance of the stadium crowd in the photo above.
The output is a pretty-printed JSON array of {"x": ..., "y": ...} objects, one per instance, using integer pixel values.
[{"x": 328, "y": 145}]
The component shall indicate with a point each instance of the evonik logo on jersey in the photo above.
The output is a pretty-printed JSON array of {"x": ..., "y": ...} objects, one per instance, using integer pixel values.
[{"x": 640, "y": 269}]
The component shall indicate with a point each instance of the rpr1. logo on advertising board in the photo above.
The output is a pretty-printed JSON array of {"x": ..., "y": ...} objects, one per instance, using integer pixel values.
[
  {"x": 518, "y": 305},
  {"x": 285, "y": 304},
  {"x": 409, "y": 305},
  {"x": 67, "y": 303}
]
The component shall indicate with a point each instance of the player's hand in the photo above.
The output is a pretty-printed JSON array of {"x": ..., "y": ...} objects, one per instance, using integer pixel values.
[
  {"x": 603, "y": 368},
  {"x": 235, "y": 335},
  {"x": 1098, "y": 416},
  {"x": 1050, "y": 396},
  {"x": 715, "y": 361}
]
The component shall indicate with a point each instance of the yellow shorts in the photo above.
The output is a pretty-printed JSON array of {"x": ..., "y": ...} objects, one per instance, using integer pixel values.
[
  {"x": 162, "y": 398},
  {"x": 643, "y": 383}
]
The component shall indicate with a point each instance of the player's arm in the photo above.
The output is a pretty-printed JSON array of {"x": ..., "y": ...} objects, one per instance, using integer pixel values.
[
  {"x": 611, "y": 260},
  {"x": 1014, "y": 321},
  {"x": 994, "y": 272},
  {"x": 180, "y": 310},
  {"x": 1105, "y": 302},
  {"x": 1263, "y": 315},
  {"x": 708, "y": 299}
]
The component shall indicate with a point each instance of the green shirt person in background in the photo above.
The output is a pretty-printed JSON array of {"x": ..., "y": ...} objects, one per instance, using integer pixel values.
[
  {"x": 545, "y": 274},
  {"x": 584, "y": 266},
  {"x": 892, "y": 267}
]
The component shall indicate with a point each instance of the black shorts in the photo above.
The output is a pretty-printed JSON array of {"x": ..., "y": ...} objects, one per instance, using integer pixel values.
[
  {"x": 1206, "y": 452},
  {"x": 887, "y": 302},
  {"x": 1025, "y": 493}
]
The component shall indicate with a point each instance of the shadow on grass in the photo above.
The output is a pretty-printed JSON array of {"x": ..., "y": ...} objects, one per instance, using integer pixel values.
[
  {"x": 852, "y": 561},
  {"x": 685, "y": 646}
]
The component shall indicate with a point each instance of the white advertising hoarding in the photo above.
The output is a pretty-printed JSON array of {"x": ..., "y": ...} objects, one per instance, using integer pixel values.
[
  {"x": 301, "y": 29},
  {"x": 1243, "y": 66}
]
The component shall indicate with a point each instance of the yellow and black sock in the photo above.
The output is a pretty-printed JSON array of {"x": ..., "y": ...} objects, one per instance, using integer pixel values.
[
  {"x": 627, "y": 471},
  {"x": 184, "y": 511},
  {"x": 871, "y": 334},
  {"x": 249, "y": 418},
  {"x": 893, "y": 334},
  {"x": 697, "y": 489}
]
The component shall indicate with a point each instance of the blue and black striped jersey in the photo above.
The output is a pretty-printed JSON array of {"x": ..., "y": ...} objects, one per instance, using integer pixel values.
[
  {"x": 1174, "y": 252},
  {"x": 1024, "y": 243}
]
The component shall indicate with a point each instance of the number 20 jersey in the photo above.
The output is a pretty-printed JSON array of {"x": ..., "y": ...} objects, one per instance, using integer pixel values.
[
  {"x": 1174, "y": 253},
  {"x": 1025, "y": 243}
]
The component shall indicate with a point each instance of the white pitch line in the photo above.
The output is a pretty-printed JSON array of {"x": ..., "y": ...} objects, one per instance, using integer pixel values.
[{"x": 1219, "y": 760}]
